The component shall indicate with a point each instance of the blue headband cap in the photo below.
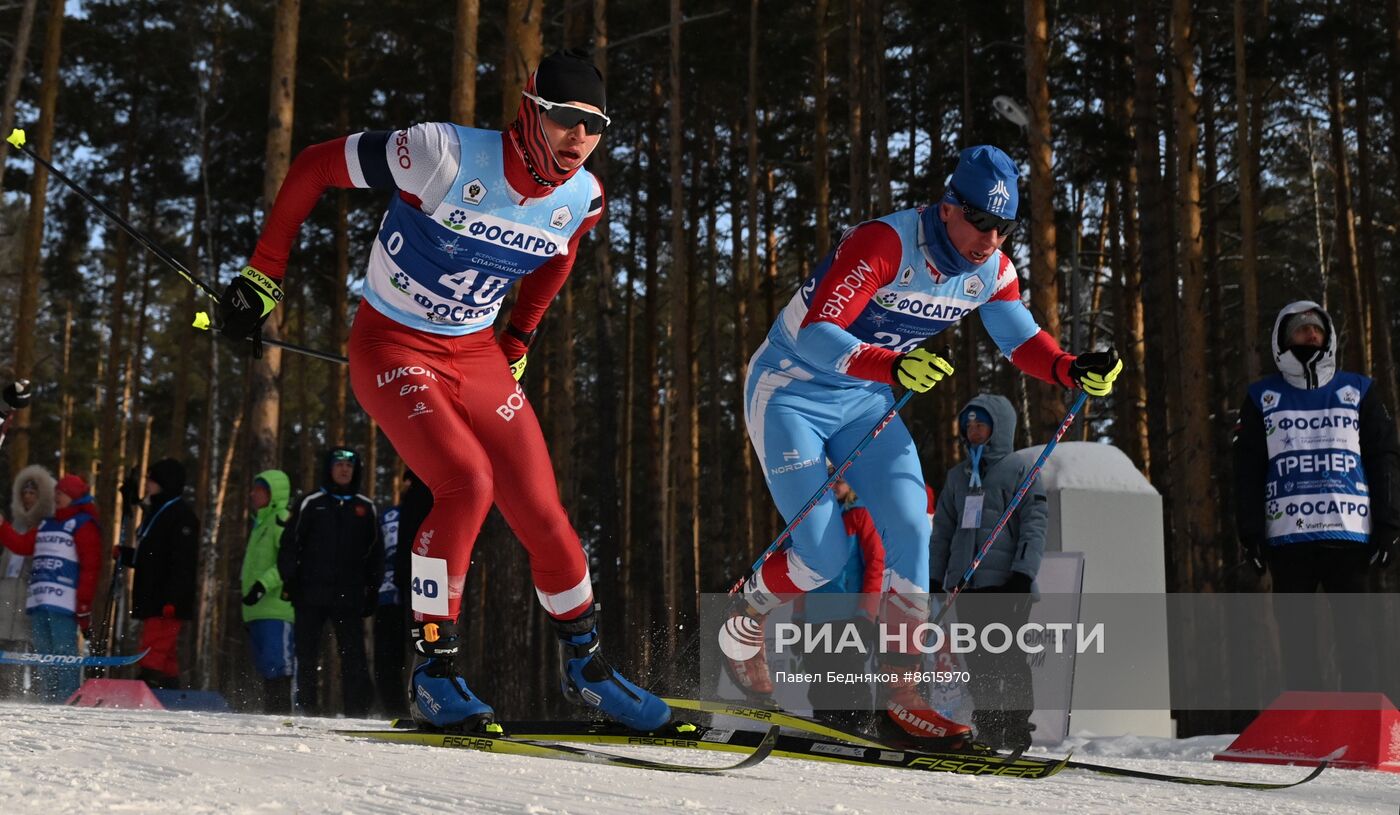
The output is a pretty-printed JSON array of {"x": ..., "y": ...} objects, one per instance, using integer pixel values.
[{"x": 986, "y": 179}]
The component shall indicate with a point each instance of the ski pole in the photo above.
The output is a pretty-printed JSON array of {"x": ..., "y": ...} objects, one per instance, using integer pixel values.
[
  {"x": 831, "y": 479},
  {"x": 201, "y": 319},
  {"x": 1011, "y": 507}
]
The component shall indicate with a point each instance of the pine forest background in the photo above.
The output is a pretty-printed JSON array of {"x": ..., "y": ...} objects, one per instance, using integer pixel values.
[{"x": 1188, "y": 168}]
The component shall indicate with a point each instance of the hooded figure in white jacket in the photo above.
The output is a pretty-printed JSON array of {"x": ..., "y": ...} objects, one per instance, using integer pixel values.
[{"x": 31, "y": 502}]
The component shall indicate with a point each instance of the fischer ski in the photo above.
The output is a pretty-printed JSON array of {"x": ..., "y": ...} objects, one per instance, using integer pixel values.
[
  {"x": 68, "y": 660},
  {"x": 1171, "y": 778},
  {"x": 700, "y": 737},
  {"x": 511, "y": 745},
  {"x": 777, "y": 717},
  {"x": 813, "y": 727}
]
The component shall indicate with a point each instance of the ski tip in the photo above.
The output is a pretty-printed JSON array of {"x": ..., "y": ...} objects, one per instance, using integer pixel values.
[
  {"x": 16, "y": 137},
  {"x": 201, "y": 320}
]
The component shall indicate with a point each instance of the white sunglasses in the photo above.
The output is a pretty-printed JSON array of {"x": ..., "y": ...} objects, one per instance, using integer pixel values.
[{"x": 571, "y": 116}]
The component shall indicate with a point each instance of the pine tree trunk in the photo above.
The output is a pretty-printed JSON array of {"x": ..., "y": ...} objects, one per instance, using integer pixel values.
[
  {"x": 1356, "y": 338},
  {"x": 747, "y": 500},
  {"x": 176, "y": 445},
  {"x": 1195, "y": 525},
  {"x": 1246, "y": 154},
  {"x": 755, "y": 277},
  {"x": 112, "y": 424},
  {"x": 1153, "y": 230},
  {"x": 723, "y": 527},
  {"x": 607, "y": 461},
  {"x": 1045, "y": 399},
  {"x": 855, "y": 83},
  {"x": 265, "y": 416},
  {"x": 65, "y": 421},
  {"x": 522, "y": 52},
  {"x": 18, "y": 59},
  {"x": 880, "y": 106},
  {"x": 682, "y": 283},
  {"x": 28, "y": 311},
  {"x": 340, "y": 290},
  {"x": 1377, "y": 302},
  {"x": 821, "y": 174},
  {"x": 464, "y": 61}
]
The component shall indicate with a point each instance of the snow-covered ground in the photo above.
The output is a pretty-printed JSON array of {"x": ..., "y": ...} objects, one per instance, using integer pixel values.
[{"x": 56, "y": 760}]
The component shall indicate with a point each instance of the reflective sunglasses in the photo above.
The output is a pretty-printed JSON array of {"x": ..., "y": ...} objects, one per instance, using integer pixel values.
[
  {"x": 984, "y": 221},
  {"x": 343, "y": 455},
  {"x": 571, "y": 116}
]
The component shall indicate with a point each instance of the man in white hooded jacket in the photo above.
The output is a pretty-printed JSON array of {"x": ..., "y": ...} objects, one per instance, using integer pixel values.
[
  {"x": 31, "y": 502},
  {"x": 1316, "y": 477}
]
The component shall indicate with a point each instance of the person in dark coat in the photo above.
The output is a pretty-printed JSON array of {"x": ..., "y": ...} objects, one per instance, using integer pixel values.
[
  {"x": 331, "y": 563},
  {"x": 164, "y": 563}
]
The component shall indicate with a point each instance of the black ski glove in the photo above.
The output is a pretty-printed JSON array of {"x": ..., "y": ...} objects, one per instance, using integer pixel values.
[
  {"x": 1095, "y": 371},
  {"x": 1018, "y": 583},
  {"x": 255, "y": 593},
  {"x": 1255, "y": 558},
  {"x": 15, "y": 396},
  {"x": 1383, "y": 550},
  {"x": 130, "y": 491},
  {"x": 244, "y": 306}
]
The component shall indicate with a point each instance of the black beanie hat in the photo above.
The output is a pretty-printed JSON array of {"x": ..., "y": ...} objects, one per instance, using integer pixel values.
[
  {"x": 170, "y": 475},
  {"x": 570, "y": 76}
]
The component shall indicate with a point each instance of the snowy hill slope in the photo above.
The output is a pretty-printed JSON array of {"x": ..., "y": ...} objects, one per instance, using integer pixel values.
[{"x": 64, "y": 760}]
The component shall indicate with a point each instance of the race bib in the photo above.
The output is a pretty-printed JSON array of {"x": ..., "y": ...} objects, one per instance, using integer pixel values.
[
  {"x": 430, "y": 585},
  {"x": 972, "y": 512}
]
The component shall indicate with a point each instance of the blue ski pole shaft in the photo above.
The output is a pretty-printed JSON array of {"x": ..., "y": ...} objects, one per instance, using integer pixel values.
[
  {"x": 830, "y": 480},
  {"x": 1011, "y": 507}
]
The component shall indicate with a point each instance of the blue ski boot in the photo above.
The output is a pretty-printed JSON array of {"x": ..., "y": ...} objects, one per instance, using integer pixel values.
[
  {"x": 438, "y": 696},
  {"x": 590, "y": 680}
]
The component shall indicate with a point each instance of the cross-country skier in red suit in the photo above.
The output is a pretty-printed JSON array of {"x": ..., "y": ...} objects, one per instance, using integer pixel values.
[{"x": 474, "y": 212}]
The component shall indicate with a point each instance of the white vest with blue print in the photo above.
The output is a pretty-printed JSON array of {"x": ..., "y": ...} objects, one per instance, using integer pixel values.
[
  {"x": 448, "y": 272},
  {"x": 1316, "y": 488},
  {"x": 919, "y": 303},
  {"x": 53, "y": 578}
]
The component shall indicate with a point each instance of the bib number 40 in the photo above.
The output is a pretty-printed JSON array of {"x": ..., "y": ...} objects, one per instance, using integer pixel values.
[
  {"x": 425, "y": 588},
  {"x": 468, "y": 286}
]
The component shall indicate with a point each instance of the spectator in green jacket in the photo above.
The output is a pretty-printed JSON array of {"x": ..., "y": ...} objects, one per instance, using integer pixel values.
[{"x": 266, "y": 614}]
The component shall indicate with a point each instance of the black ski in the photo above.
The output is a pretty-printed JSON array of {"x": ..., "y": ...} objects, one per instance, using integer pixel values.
[
  {"x": 1170, "y": 778},
  {"x": 700, "y": 737},
  {"x": 514, "y": 745},
  {"x": 795, "y": 722}
]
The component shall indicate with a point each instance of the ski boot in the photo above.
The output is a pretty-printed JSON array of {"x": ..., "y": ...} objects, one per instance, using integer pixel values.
[
  {"x": 910, "y": 721},
  {"x": 589, "y": 680},
  {"x": 743, "y": 651},
  {"x": 438, "y": 696}
]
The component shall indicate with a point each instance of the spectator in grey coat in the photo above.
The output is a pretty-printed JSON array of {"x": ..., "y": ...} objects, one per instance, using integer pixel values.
[{"x": 974, "y": 495}]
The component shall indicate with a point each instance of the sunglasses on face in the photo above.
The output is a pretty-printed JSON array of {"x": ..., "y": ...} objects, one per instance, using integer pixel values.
[
  {"x": 571, "y": 116},
  {"x": 984, "y": 221}
]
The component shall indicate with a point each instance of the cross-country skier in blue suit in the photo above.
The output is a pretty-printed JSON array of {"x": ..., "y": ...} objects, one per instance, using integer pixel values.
[{"x": 823, "y": 378}]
